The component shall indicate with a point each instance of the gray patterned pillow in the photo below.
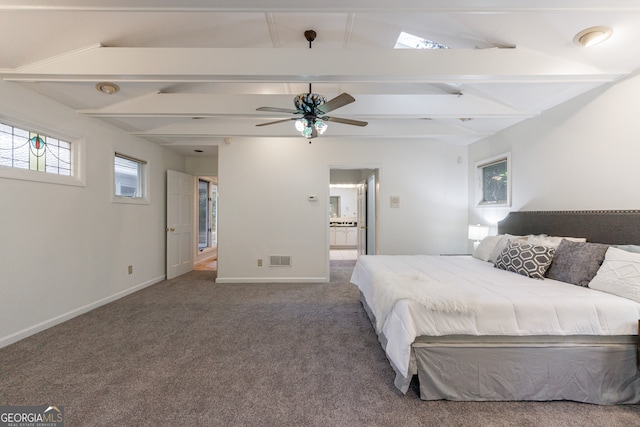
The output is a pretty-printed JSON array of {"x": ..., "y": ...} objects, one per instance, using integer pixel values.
[
  {"x": 576, "y": 262},
  {"x": 526, "y": 259}
]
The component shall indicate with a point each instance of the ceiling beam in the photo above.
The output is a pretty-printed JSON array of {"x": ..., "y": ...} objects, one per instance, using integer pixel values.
[
  {"x": 366, "y": 106},
  {"x": 382, "y": 6},
  {"x": 306, "y": 65},
  {"x": 220, "y": 127}
]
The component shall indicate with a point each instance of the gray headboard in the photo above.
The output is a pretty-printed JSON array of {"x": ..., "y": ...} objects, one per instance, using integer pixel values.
[{"x": 611, "y": 227}]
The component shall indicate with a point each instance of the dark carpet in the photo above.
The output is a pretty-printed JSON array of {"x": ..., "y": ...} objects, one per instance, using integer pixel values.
[{"x": 190, "y": 352}]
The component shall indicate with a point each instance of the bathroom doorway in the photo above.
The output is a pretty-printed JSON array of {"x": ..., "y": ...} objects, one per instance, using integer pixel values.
[{"x": 352, "y": 212}]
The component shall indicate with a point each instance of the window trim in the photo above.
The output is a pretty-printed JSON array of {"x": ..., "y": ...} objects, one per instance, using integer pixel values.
[
  {"x": 479, "y": 179},
  {"x": 142, "y": 200},
  {"x": 78, "y": 151}
]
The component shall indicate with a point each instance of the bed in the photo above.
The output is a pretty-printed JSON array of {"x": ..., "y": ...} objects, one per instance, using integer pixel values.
[{"x": 472, "y": 332}]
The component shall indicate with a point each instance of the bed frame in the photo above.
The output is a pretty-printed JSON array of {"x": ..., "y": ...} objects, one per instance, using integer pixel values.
[
  {"x": 600, "y": 370},
  {"x": 610, "y": 227}
]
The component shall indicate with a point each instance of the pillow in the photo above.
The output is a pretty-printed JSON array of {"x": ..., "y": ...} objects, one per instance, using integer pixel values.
[
  {"x": 619, "y": 274},
  {"x": 486, "y": 247},
  {"x": 526, "y": 259},
  {"x": 502, "y": 244},
  {"x": 553, "y": 241},
  {"x": 576, "y": 262},
  {"x": 629, "y": 248}
]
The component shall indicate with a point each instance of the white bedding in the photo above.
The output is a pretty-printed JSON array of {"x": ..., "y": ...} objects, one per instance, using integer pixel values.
[{"x": 491, "y": 302}]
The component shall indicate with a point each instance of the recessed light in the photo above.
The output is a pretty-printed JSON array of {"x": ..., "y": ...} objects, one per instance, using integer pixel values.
[
  {"x": 108, "y": 88},
  {"x": 592, "y": 36}
]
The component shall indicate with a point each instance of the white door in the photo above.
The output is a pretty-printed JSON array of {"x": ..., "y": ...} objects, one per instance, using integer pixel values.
[
  {"x": 362, "y": 220},
  {"x": 371, "y": 215},
  {"x": 180, "y": 223}
]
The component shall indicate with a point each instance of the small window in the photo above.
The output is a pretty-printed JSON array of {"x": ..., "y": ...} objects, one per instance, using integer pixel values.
[
  {"x": 494, "y": 183},
  {"x": 30, "y": 150},
  {"x": 129, "y": 178}
]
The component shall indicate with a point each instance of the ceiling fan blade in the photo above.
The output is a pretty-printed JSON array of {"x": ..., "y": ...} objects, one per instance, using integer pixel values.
[
  {"x": 278, "y": 110},
  {"x": 345, "y": 121},
  {"x": 337, "y": 102},
  {"x": 277, "y": 121}
]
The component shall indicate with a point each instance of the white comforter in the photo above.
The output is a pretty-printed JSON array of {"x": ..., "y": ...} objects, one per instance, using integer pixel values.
[{"x": 420, "y": 295}]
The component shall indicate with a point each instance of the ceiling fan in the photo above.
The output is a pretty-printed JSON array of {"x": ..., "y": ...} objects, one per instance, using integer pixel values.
[{"x": 311, "y": 108}]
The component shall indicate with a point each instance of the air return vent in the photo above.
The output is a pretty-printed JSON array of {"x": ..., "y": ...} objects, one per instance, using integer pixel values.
[{"x": 279, "y": 261}]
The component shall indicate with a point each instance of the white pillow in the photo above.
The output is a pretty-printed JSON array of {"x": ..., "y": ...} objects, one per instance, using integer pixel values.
[
  {"x": 486, "y": 247},
  {"x": 552, "y": 241},
  {"x": 619, "y": 274}
]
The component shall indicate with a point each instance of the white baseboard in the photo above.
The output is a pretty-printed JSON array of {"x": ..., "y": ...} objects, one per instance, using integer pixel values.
[
  {"x": 31, "y": 330},
  {"x": 272, "y": 279}
]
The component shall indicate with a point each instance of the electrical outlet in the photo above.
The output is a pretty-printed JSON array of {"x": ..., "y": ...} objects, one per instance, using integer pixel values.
[
  {"x": 131, "y": 269},
  {"x": 259, "y": 262}
]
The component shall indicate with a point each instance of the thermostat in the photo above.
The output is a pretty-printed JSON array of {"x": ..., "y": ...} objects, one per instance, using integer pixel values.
[{"x": 312, "y": 198}]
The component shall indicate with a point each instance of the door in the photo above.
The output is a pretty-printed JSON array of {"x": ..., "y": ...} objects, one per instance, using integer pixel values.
[
  {"x": 371, "y": 215},
  {"x": 362, "y": 220},
  {"x": 180, "y": 223}
]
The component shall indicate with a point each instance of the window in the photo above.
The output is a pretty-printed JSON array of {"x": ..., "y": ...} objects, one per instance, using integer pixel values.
[
  {"x": 204, "y": 206},
  {"x": 409, "y": 41},
  {"x": 23, "y": 149},
  {"x": 207, "y": 208},
  {"x": 494, "y": 183},
  {"x": 129, "y": 178}
]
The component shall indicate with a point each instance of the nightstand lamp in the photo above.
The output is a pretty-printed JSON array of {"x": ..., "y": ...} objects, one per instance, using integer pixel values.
[{"x": 477, "y": 233}]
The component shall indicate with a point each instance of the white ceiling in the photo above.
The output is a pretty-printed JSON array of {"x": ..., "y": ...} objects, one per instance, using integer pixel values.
[{"x": 193, "y": 72}]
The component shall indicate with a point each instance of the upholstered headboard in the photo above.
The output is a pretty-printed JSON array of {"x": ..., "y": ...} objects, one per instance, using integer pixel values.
[{"x": 611, "y": 227}]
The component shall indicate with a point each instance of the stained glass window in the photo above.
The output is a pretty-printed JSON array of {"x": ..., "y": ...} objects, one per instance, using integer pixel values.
[{"x": 23, "y": 149}]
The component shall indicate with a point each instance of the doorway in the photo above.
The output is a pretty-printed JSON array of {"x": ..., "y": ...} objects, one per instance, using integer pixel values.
[
  {"x": 352, "y": 213},
  {"x": 207, "y": 248}
]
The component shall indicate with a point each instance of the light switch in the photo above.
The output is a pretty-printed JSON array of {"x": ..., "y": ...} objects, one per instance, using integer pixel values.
[{"x": 394, "y": 201}]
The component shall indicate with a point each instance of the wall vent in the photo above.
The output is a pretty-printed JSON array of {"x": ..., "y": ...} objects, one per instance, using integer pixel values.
[{"x": 279, "y": 261}]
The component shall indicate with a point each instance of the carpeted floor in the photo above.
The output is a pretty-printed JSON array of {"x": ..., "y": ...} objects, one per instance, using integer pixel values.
[{"x": 190, "y": 352}]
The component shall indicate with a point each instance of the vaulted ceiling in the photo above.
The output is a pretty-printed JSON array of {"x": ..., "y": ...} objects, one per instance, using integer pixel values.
[{"x": 193, "y": 72}]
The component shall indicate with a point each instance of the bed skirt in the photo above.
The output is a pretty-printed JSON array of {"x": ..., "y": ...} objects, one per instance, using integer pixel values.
[
  {"x": 603, "y": 374},
  {"x": 589, "y": 369}
]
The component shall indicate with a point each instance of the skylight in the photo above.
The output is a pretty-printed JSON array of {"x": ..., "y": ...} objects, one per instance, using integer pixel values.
[{"x": 409, "y": 41}]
